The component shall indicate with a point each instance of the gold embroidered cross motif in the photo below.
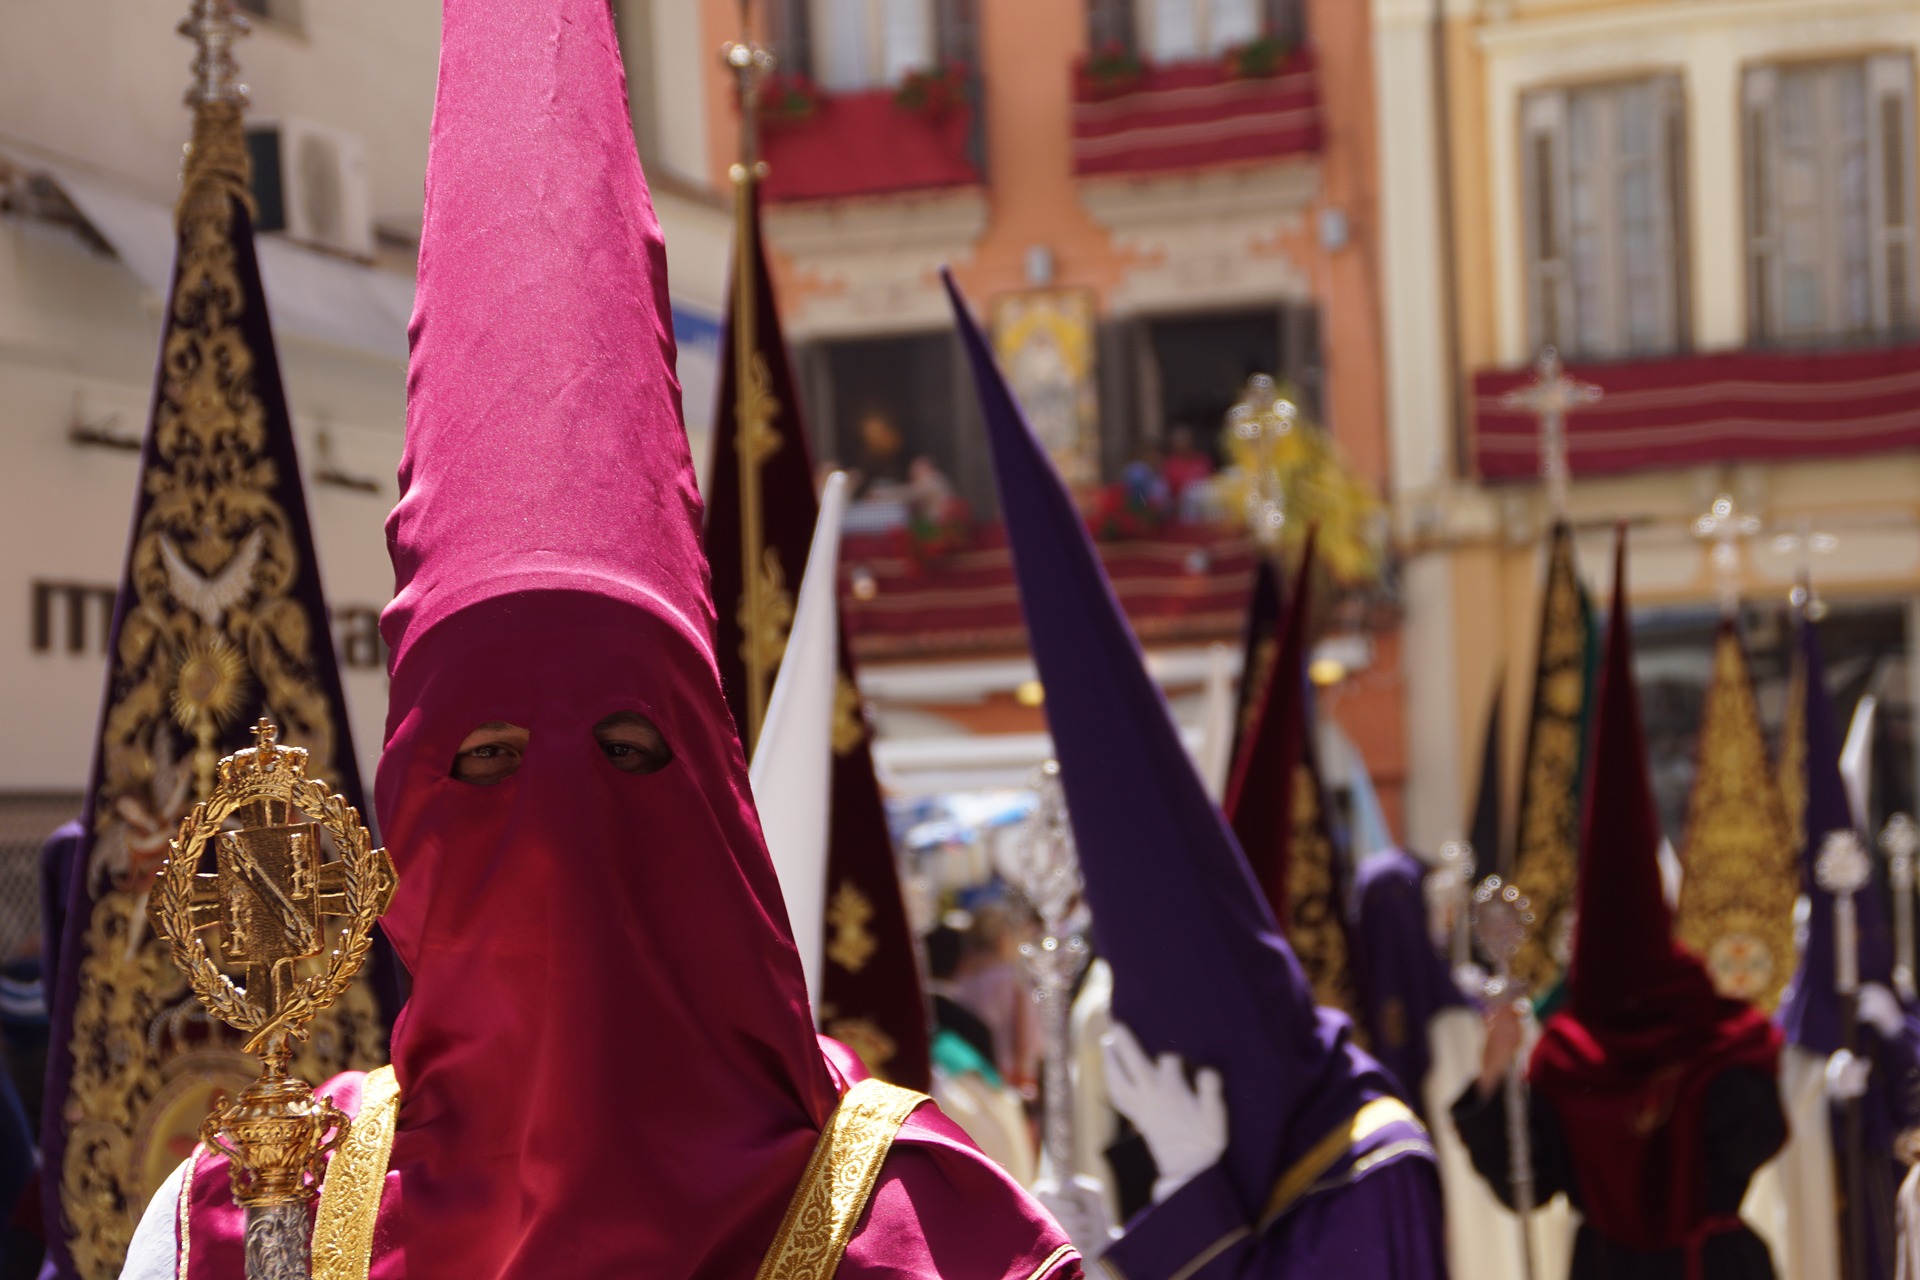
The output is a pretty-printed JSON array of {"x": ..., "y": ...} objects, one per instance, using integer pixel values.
[{"x": 848, "y": 913}]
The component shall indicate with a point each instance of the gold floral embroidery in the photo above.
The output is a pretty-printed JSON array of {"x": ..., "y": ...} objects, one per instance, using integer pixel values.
[
  {"x": 838, "y": 1182},
  {"x": 849, "y": 717},
  {"x": 356, "y": 1178},
  {"x": 1736, "y": 900},
  {"x": 1315, "y": 922},
  {"x": 1545, "y": 860},
  {"x": 848, "y": 914}
]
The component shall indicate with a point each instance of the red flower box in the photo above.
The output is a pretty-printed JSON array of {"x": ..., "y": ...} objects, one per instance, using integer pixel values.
[{"x": 868, "y": 144}]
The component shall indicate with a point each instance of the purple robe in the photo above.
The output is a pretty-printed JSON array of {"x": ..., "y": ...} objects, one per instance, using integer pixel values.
[
  {"x": 1403, "y": 980},
  {"x": 1199, "y": 966}
]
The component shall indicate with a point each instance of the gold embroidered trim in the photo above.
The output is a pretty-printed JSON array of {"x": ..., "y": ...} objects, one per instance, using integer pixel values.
[
  {"x": 356, "y": 1177},
  {"x": 839, "y": 1179},
  {"x": 1212, "y": 1251},
  {"x": 1054, "y": 1259},
  {"x": 184, "y": 1210},
  {"x": 1313, "y": 1166}
]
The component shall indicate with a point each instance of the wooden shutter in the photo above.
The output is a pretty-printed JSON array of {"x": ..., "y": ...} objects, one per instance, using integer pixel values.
[
  {"x": 1890, "y": 168},
  {"x": 1759, "y": 96},
  {"x": 1543, "y": 140},
  {"x": 1110, "y": 22},
  {"x": 790, "y": 34},
  {"x": 1679, "y": 238},
  {"x": 1116, "y": 373},
  {"x": 957, "y": 33},
  {"x": 1284, "y": 19}
]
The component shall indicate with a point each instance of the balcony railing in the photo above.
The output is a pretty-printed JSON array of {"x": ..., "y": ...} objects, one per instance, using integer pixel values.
[
  {"x": 921, "y": 135},
  {"x": 1735, "y": 406},
  {"x": 1135, "y": 118}
]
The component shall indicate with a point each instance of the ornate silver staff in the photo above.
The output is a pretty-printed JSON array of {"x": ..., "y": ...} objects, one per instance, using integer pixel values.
[
  {"x": 1046, "y": 870},
  {"x": 1843, "y": 869},
  {"x": 1501, "y": 918},
  {"x": 1452, "y": 887},
  {"x": 1900, "y": 840}
]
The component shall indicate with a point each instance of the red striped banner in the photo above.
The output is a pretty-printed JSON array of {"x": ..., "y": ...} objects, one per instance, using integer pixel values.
[
  {"x": 1196, "y": 114},
  {"x": 1184, "y": 583},
  {"x": 1734, "y": 406}
]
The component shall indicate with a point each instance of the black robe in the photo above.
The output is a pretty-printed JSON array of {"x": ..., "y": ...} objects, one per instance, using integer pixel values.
[{"x": 1744, "y": 1125}]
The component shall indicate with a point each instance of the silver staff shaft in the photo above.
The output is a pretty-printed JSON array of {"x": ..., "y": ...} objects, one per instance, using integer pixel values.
[
  {"x": 1054, "y": 964},
  {"x": 277, "y": 1243},
  {"x": 1520, "y": 1159}
]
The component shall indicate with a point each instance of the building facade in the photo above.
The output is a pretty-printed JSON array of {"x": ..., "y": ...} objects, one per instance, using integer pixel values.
[
  {"x": 1708, "y": 206},
  {"x": 91, "y": 128},
  {"x": 1175, "y": 195}
]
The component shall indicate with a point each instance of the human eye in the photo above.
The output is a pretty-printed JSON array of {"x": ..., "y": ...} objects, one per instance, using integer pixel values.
[{"x": 490, "y": 754}]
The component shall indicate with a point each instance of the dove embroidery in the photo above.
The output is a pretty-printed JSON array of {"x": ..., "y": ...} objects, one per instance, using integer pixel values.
[{"x": 212, "y": 597}]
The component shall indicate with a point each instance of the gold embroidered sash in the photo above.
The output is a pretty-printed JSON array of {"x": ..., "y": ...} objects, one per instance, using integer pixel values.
[
  {"x": 350, "y": 1195},
  {"x": 809, "y": 1245},
  {"x": 1323, "y": 1155},
  {"x": 839, "y": 1180}
]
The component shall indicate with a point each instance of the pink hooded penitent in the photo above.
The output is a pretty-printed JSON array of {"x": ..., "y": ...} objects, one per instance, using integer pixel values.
[{"x": 607, "y": 1063}]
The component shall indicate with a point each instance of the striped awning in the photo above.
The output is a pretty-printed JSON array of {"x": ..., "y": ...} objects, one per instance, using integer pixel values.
[{"x": 1734, "y": 406}]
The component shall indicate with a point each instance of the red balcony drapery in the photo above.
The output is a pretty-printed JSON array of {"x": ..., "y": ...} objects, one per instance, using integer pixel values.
[
  {"x": 868, "y": 144},
  {"x": 1193, "y": 115},
  {"x": 1733, "y": 406}
]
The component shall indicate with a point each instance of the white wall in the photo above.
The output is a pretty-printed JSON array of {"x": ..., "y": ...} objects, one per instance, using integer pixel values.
[
  {"x": 95, "y": 86},
  {"x": 101, "y": 81}
]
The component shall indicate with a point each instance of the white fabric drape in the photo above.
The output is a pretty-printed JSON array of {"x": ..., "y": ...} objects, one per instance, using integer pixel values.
[
  {"x": 792, "y": 771},
  {"x": 1483, "y": 1240},
  {"x": 1790, "y": 1204}
]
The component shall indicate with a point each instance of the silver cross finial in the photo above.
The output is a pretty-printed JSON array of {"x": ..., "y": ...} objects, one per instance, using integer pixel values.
[
  {"x": 1726, "y": 526},
  {"x": 1550, "y": 397},
  {"x": 214, "y": 26}
]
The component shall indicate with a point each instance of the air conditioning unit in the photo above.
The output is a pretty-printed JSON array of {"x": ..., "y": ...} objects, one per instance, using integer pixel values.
[{"x": 311, "y": 182}]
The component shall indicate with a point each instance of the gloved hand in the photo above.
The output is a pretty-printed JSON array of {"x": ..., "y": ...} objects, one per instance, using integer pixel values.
[
  {"x": 1079, "y": 1205},
  {"x": 1847, "y": 1076},
  {"x": 1880, "y": 1009},
  {"x": 1185, "y": 1126}
]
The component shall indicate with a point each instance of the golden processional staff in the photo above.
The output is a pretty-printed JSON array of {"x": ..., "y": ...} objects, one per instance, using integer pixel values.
[{"x": 264, "y": 908}]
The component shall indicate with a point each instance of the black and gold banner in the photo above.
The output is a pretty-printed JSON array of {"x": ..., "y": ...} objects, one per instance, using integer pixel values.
[
  {"x": 220, "y": 619},
  {"x": 870, "y": 995},
  {"x": 1742, "y": 861},
  {"x": 1546, "y": 840}
]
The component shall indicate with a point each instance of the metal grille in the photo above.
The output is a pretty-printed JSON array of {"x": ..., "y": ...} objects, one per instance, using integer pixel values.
[{"x": 27, "y": 818}]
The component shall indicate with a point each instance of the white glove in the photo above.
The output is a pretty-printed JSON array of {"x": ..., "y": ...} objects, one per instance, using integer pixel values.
[
  {"x": 1847, "y": 1076},
  {"x": 1880, "y": 1009},
  {"x": 1079, "y": 1205},
  {"x": 1185, "y": 1126}
]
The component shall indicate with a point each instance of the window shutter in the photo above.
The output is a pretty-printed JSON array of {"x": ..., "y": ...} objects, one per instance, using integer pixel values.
[
  {"x": 1283, "y": 18},
  {"x": 789, "y": 32},
  {"x": 1117, "y": 381},
  {"x": 1109, "y": 24},
  {"x": 1543, "y": 134},
  {"x": 1890, "y": 167},
  {"x": 1679, "y": 228},
  {"x": 1759, "y": 95},
  {"x": 957, "y": 33}
]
